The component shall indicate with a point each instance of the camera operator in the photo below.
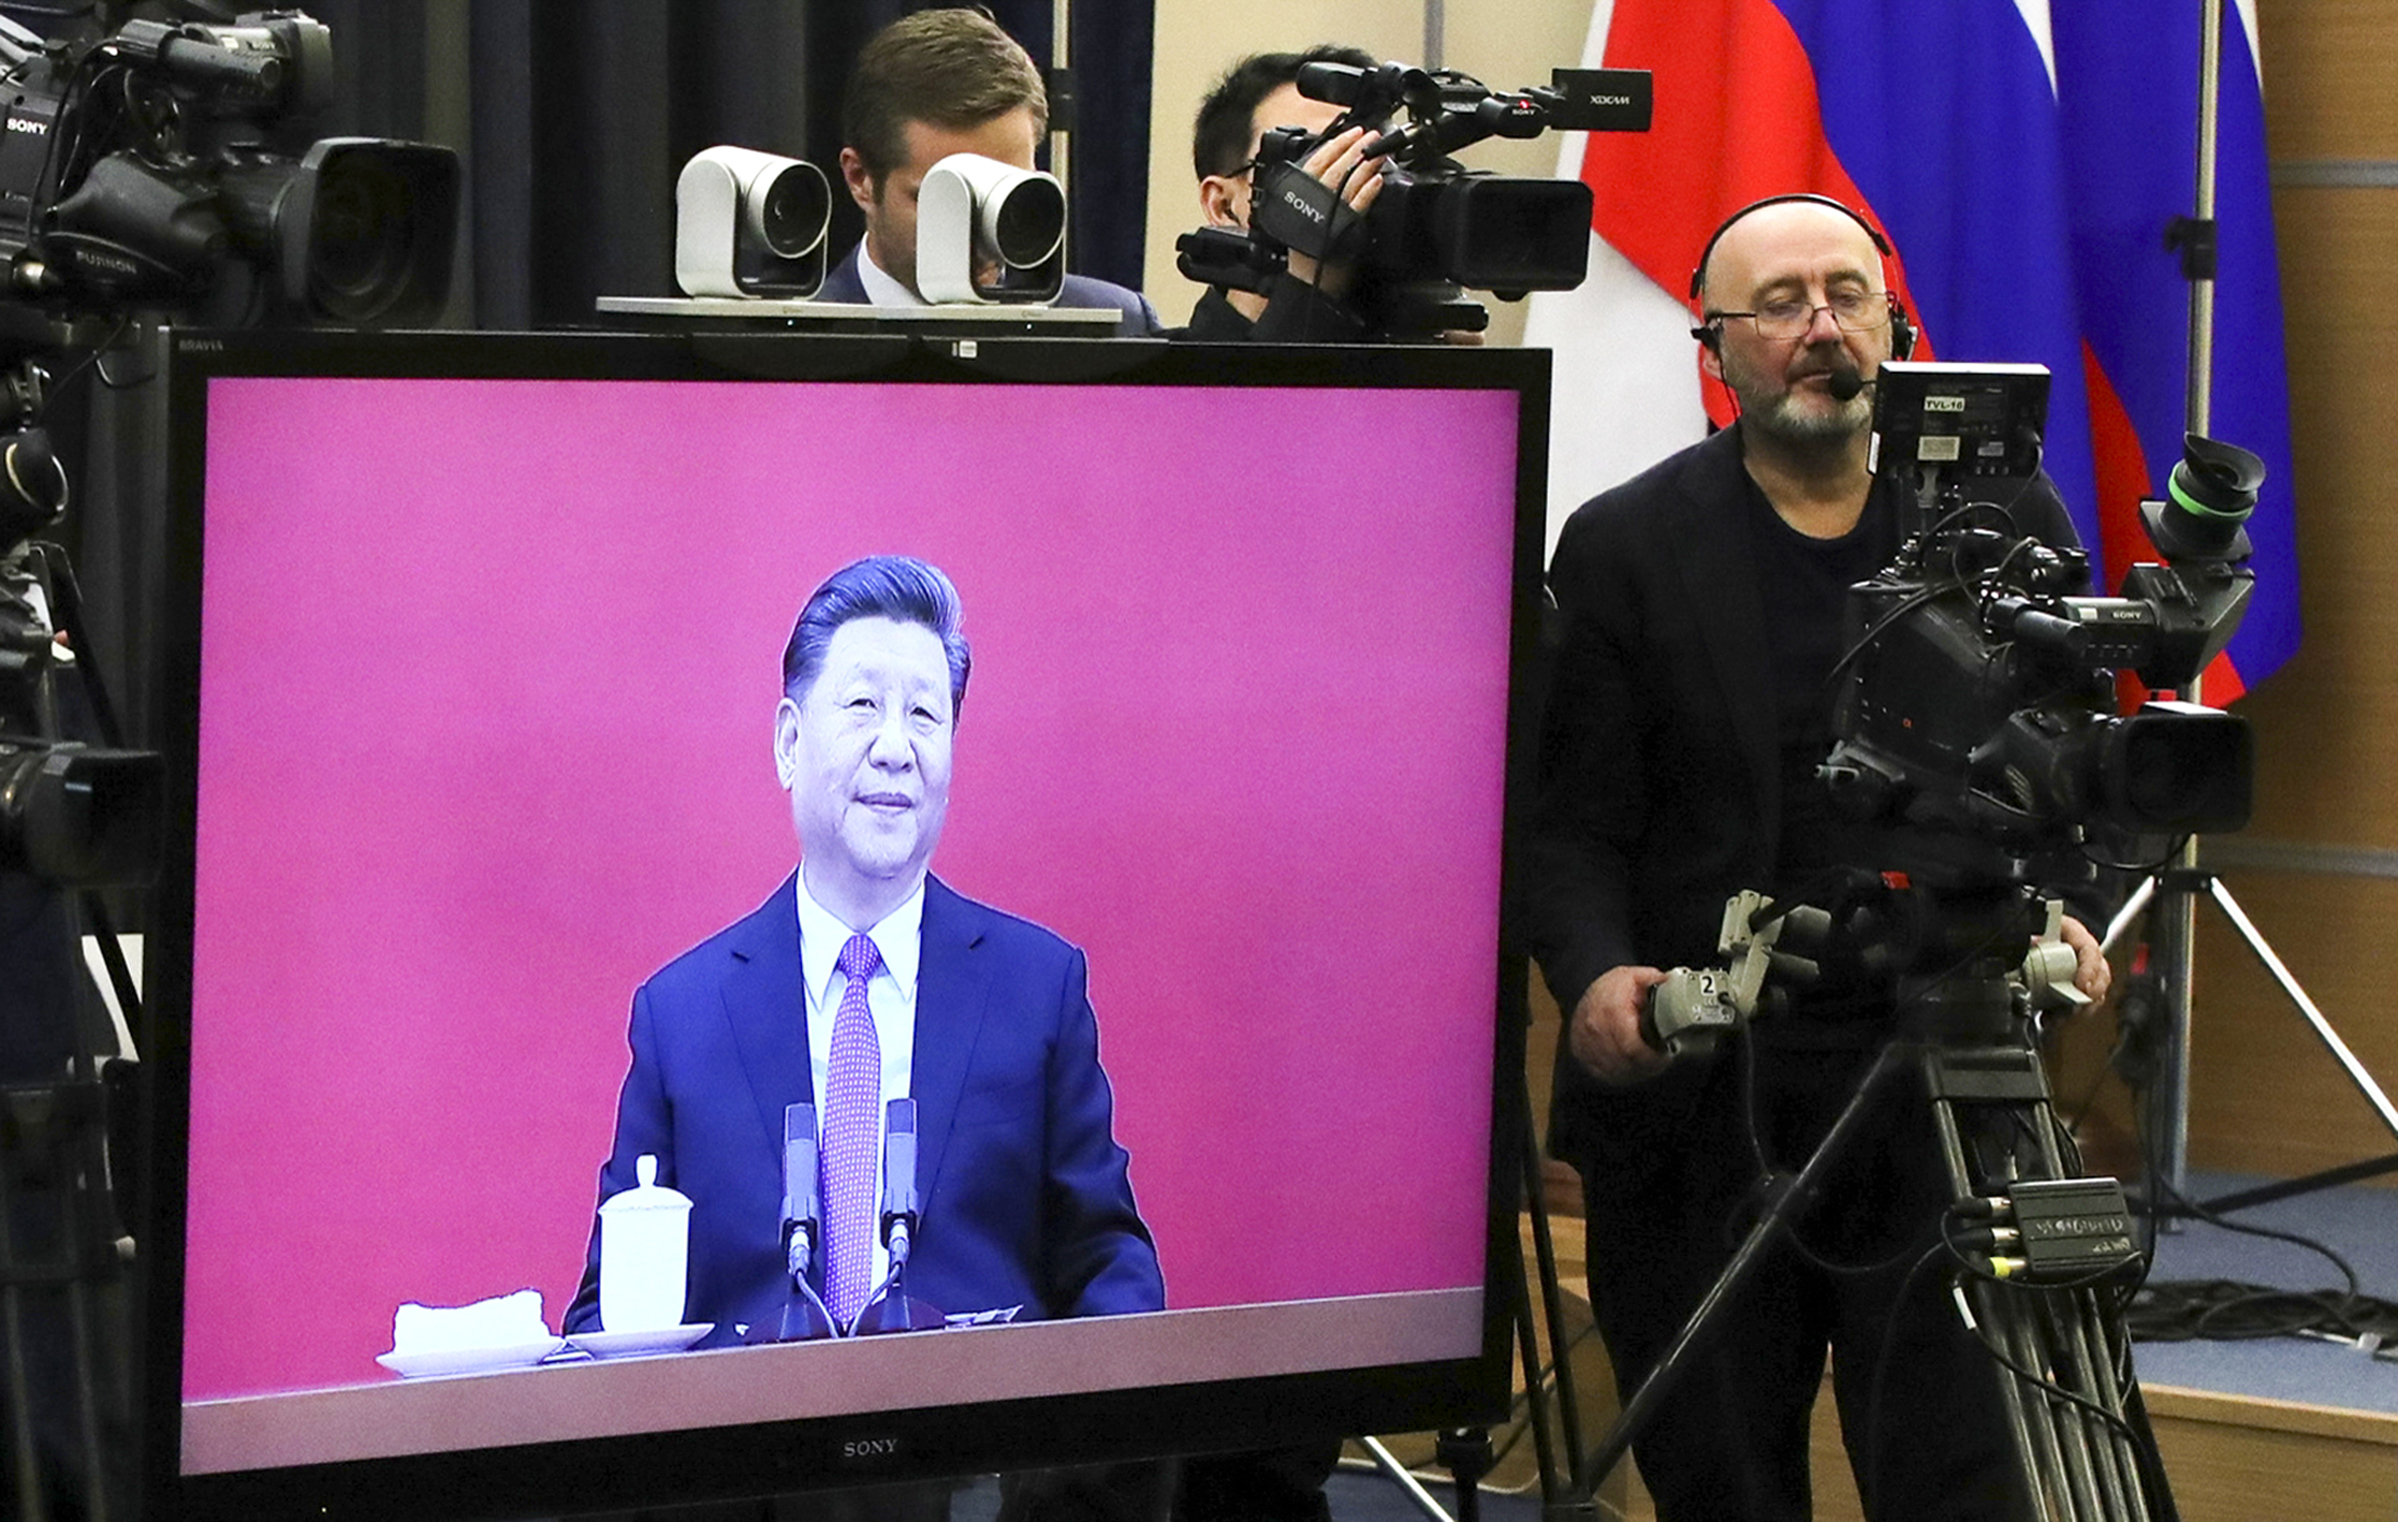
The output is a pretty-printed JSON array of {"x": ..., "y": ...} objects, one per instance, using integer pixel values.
[
  {"x": 1257, "y": 94},
  {"x": 929, "y": 85},
  {"x": 1702, "y": 605}
]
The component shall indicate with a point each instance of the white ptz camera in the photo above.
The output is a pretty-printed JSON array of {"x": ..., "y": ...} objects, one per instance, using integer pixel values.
[
  {"x": 750, "y": 224},
  {"x": 975, "y": 214}
]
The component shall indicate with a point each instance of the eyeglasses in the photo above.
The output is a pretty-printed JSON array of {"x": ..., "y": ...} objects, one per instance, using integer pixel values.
[{"x": 1854, "y": 311}]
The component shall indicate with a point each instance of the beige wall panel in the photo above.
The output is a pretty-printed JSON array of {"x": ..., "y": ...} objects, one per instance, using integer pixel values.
[
  {"x": 2327, "y": 70},
  {"x": 1504, "y": 44},
  {"x": 2327, "y": 724},
  {"x": 2265, "y": 1095}
]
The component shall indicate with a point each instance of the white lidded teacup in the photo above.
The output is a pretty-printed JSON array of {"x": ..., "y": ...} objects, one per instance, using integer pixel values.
[{"x": 645, "y": 1245}]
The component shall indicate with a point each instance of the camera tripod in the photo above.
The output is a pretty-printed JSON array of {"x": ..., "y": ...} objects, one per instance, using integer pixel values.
[
  {"x": 2040, "y": 1257},
  {"x": 2168, "y": 898},
  {"x": 64, "y": 1325}
]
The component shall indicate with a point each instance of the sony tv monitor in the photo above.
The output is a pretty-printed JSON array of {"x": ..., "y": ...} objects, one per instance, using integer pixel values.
[{"x": 481, "y": 909}]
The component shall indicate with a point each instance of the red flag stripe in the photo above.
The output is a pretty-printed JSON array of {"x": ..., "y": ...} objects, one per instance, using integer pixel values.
[{"x": 1715, "y": 146}]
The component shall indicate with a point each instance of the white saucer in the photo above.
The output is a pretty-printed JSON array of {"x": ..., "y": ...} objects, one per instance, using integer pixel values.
[
  {"x": 671, "y": 1339},
  {"x": 522, "y": 1355}
]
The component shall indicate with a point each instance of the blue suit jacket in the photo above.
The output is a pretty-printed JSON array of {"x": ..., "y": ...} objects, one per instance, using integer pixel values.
[
  {"x": 1024, "y": 1192},
  {"x": 1135, "y": 317}
]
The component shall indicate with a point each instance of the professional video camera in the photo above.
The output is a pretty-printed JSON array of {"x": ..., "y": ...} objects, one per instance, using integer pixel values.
[
  {"x": 157, "y": 170},
  {"x": 1974, "y": 728},
  {"x": 162, "y": 164},
  {"x": 1976, "y": 692},
  {"x": 146, "y": 169},
  {"x": 1434, "y": 227}
]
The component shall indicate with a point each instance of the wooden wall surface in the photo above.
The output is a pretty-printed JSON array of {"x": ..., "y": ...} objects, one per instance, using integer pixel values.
[{"x": 2266, "y": 1097}]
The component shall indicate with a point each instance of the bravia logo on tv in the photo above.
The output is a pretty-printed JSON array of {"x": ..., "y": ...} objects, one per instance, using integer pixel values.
[{"x": 870, "y": 1448}]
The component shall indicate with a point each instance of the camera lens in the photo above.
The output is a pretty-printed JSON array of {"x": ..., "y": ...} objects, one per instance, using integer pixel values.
[
  {"x": 363, "y": 229},
  {"x": 791, "y": 214},
  {"x": 362, "y": 217},
  {"x": 1031, "y": 222}
]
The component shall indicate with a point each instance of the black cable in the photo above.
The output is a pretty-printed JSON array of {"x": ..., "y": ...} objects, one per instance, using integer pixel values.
[
  {"x": 2142, "y": 868},
  {"x": 2098, "y": 1080},
  {"x": 1868, "y": 1468},
  {"x": 90, "y": 359},
  {"x": 1881, "y": 626},
  {"x": 2229, "y": 1310},
  {"x": 2255, "y": 1311},
  {"x": 1519, "y": 1423},
  {"x": 2007, "y": 1361}
]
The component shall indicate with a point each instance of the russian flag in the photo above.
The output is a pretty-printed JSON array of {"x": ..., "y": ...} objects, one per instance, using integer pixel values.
[{"x": 2026, "y": 157}]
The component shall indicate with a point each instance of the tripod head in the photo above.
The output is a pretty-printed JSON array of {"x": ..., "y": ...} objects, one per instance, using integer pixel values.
[{"x": 1967, "y": 962}]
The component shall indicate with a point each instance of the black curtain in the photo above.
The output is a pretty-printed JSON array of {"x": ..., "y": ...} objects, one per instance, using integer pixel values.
[{"x": 573, "y": 120}]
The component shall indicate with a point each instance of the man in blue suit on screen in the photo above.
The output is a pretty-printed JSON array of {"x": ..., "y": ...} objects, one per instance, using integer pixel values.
[
  {"x": 864, "y": 979},
  {"x": 929, "y": 85}
]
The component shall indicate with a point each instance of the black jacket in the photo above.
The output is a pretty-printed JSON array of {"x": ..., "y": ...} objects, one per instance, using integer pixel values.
[{"x": 1660, "y": 793}]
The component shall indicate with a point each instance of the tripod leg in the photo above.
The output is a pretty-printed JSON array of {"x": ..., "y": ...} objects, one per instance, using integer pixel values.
[
  {"x": 1642, "y": 1407},
  {"x": 2306, "y": 1006},
  {"x": 87, "y": 1156},
  {"x": 2083, "y": 1321},
  {"x": 1536, "y": 1409},
  {"x": 2070, "y": 1397},
  {"x": 1552, "y": 1305},
  {"x": 2037, "y": 1451},
  {"x": 1388, "y": 1463},
  {"x": 2128, "y": 913}
]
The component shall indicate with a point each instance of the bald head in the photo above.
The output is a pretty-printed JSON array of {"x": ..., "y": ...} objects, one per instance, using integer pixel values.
[{"x": 1778, "y": 246}]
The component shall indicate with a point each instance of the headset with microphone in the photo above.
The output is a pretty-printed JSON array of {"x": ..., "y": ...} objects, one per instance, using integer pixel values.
[{"x": 1710, "y": 330}]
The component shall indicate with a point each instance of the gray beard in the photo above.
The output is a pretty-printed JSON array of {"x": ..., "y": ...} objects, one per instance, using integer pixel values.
[{"x": 1784, "y": 420}]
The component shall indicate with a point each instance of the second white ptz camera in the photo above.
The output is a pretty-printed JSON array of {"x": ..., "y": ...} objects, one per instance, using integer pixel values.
[
  {"x": 989, "y": 232},
  {"x": 750, "y": 224}
]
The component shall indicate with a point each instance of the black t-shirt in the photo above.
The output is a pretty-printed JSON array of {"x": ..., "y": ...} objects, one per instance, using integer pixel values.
[{"x": 1803, "y": 584}]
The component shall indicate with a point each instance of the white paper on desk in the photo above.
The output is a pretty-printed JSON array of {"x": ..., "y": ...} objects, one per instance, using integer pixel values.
[{"x": 500, "y": 1322}]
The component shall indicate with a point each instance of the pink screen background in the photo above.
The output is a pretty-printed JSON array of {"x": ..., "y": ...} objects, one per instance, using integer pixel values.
[{"x": 488, "y": 677}]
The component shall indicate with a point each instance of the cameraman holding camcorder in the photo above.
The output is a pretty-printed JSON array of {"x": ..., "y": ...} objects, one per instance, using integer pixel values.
[
  {"x": 1301, "y": 303},
  {"x": 1702, "y": 605}
]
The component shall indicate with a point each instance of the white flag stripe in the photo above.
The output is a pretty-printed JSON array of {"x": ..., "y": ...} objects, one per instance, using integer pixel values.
[
  {"x": 2035, "y": 21},
  {"x": 1625, "y": 378}
]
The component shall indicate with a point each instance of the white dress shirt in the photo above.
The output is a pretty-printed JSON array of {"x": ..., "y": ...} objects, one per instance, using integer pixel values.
[{"x": 883, "y": 290}]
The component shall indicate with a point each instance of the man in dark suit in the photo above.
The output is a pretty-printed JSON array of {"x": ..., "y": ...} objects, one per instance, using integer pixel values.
[
  {"x": 862, "y": 979},
  {"x": 927, "y": 86},
  {"x": 1702, "y": 609}
]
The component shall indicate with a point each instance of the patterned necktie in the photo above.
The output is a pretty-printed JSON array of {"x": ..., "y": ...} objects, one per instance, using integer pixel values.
[{"x": 853, "y": 1102}]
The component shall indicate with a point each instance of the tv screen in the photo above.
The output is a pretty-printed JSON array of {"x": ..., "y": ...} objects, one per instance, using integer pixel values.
[{"x": 476, "y": 658}]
